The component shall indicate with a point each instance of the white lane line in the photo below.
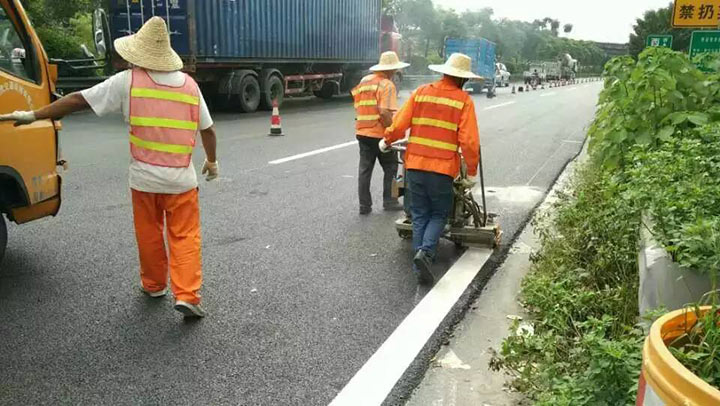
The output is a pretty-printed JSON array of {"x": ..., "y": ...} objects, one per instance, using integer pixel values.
[
  {"x": 381, "y": 372},
  {"x": 573, "y": 142},
  {"x": 548, "y": 94},
  {"x": 311, "y": 153},
  {"x": 586, "y": 85},
  {"x": 499, "y": 105},
  {"x": 572, "y": 88}
]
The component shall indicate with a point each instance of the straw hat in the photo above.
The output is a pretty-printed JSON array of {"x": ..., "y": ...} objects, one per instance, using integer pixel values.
[
  {"x": 150, "y": 47},
  {"x": 389, "y": 61},
  {"x": 458, "y": 65}
]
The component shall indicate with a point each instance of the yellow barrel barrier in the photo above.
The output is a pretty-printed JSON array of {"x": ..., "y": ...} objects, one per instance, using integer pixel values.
[{"x": 664, "y": 381}]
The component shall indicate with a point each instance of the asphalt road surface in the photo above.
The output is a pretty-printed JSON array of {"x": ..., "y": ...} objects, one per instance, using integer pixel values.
[{"x": 300, "y": 289}]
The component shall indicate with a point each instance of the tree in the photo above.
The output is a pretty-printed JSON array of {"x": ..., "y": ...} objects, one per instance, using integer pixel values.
[
  {"x": 657, "y": 22},
  {"x": 567, "y": 28}
]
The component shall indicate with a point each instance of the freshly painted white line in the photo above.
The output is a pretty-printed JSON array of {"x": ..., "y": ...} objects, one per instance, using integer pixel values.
[
  {"x": 548, "y": 94},
  {"x": 499, "y": 105},
  {"x": 573, "y": 142},
  {"x": 372, "y": 384},
  {"x": 311, "y": 153}
]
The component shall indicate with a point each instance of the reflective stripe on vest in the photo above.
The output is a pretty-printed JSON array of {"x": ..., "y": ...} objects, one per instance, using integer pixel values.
[
  {"x": 367, "y": 114},
  {"x": 159, "y": 146},
  {"x": 164, "y": 95},
  {"x": 435, "y": 123},
  {"x": 163, "y": 120},
  {"x": 440, "y": 100},
  {"x": 436, "y": 118},
  {"x": 163, "y": 123},
  {"x": 433, "y": 143}
]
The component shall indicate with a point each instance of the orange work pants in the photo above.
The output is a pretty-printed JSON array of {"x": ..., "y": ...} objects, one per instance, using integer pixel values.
[{"x": 181, "y": 213}]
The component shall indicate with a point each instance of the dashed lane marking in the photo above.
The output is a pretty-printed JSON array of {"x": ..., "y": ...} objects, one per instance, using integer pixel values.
[{"x": 311, "y": 153}]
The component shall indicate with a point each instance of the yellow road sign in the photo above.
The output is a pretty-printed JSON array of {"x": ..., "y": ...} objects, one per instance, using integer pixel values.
[{"x": 696, "y": 14}]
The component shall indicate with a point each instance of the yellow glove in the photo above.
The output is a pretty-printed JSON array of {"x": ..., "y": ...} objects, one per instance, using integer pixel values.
[
  {"x": 210, "y": 170},
  {"x": 19, "y": 117}
]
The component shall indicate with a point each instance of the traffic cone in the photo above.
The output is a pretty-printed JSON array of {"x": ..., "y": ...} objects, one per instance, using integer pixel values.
[
  {"x": 521, "y": 89},
  {"x": 513, "y": 89},
  {"x": 275, "y": 127}
]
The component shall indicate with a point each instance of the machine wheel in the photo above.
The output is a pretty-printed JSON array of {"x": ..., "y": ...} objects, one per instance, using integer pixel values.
[
  {"x": 274, "y": 90},
  {"x": 405, "y": 235},
  {"x": 249, "y": 94},
  {"x": 3, "y": 237}
]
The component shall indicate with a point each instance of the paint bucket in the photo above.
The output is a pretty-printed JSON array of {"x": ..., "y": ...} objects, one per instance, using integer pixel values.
[{"x": 664, "y": 381}]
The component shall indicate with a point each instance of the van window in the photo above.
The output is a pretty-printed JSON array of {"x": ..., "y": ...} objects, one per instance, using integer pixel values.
[{"x": 15, "y": 54}]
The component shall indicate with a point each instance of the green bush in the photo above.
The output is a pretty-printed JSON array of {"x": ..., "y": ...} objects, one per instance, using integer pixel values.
[{"x": 581, "y": 298}]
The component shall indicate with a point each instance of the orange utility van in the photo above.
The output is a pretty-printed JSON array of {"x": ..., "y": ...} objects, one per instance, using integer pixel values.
[{"x": 29, "y": 181}]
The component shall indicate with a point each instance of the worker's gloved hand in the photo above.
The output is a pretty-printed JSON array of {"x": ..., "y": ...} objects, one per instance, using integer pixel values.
[
  {"x": 384, "y": 147},
  {"x": 19, "y": 117},
  {"x": 469, "y": 182},
  {"x": 210, "y": 170}
]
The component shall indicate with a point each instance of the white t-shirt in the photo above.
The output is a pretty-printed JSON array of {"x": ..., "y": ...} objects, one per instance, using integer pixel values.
[{"x": 113, "y": 95}]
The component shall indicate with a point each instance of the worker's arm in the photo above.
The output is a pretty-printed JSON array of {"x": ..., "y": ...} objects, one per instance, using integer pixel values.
[
  {"x": 55, "y": 110},
  {"x": 387, "y": 103},
  {"x": 209, "y": 141},
  {"x": 62, "y": 107},
  {"x": 469, "y": 138},
  {"x": 401, "y": 122},
  {"x": 210, "y": 168}
]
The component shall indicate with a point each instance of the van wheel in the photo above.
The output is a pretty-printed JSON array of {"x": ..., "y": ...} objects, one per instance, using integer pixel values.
[
  {"x": 3, "y": 237},
  {"x": 249, "y": 94},
  {"x": 274, "y": 90}
]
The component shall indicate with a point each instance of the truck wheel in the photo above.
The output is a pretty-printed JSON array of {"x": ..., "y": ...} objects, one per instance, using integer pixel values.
[
  {"x": 249, "y": 94},
  {"x": 327, "y": 91},
  {"x": 274, "y": 90},
  {"x": 3, "y": 237}
]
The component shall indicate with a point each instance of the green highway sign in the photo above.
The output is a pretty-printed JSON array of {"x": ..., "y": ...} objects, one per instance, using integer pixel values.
[
  {"x": 704, "y": 42},
  {"x": 660, "y": 41}
]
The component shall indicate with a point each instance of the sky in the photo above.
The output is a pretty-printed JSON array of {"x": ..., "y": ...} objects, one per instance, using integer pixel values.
[{"x": 595, "y": 20}]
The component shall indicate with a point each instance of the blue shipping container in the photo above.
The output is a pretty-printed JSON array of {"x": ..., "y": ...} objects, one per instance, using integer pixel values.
[
  {"x": 480, "y": 50},
  {"x": 345, "y": 31}
]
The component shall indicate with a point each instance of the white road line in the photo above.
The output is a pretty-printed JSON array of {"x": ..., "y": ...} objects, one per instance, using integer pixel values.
[
  {"x": 572, "y": 88},
  {"x": 372, "y": 384},
  {"x": 499, "y": 105},
  {"x": 573, "y": 142},
  {"x": 311, "y": 153},
  {"x": 586, "y": 85},
  {"x": 548, "y": 94}
]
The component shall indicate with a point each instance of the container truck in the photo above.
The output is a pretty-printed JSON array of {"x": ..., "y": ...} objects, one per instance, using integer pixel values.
[
  {"x": 245, "y": 54},
  {"x": 482, "y": 53},
  {"x": 29, "y": 154}
]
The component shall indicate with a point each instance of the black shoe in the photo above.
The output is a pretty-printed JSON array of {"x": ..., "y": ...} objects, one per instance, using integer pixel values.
[
  {"x": 423, "y": 264},
  {"x": 392, "y": 205},
  {"x": 365, "y": 210}
]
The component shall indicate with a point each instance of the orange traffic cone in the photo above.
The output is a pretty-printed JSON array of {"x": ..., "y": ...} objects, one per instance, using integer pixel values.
[
  {"x": 513, "y": 89},
  {"x": 275, "y": 126}
]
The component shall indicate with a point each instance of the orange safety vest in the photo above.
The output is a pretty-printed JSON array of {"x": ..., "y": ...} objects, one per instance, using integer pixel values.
[
  {"x": 435, "y": 122},
  {"x": 366, "y": 104},
  {"x": 163, "y": 121}
]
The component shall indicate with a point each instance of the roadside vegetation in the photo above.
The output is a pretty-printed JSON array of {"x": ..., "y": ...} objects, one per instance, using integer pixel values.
[
  {"x": 654, "y": 150},
  {"x": 425, "y": 26},
  {"x": 63, "y": 26}
]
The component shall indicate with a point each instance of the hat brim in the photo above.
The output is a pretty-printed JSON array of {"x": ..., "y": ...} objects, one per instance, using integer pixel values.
[
  {"x": 162, "y": 60},
  {"x": 447, "y": 70},
  {"x": 397, "y": 66}
]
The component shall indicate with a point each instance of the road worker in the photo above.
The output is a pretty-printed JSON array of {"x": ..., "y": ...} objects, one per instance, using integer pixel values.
[
  {"x": 442, "y": 122},
  {"x": 165, "y": 109},
  {"x": 375, "y": 103}
]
